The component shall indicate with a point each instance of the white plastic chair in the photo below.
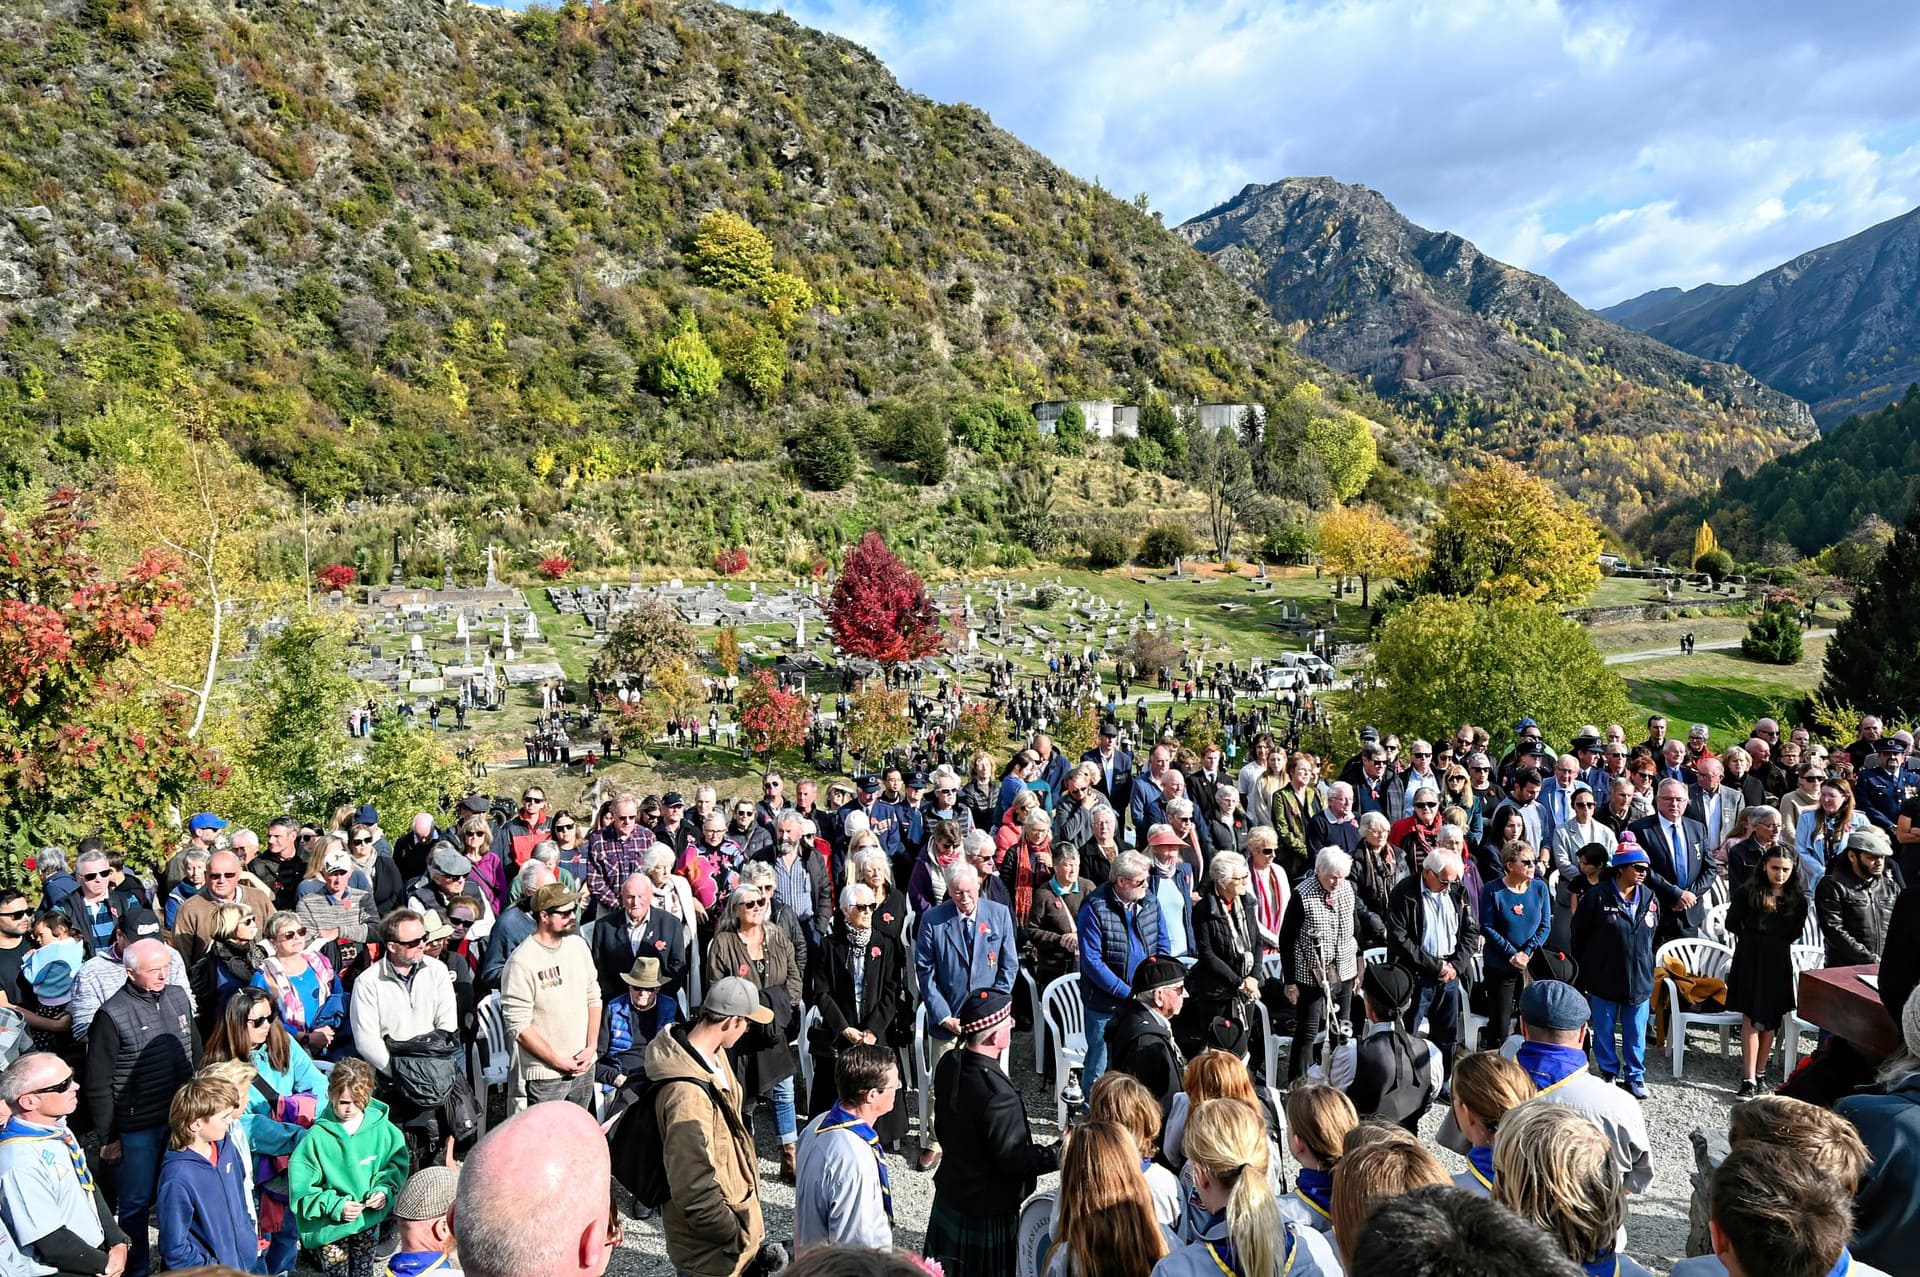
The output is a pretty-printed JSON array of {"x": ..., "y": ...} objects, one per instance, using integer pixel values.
[
  {"x": 1039, "y": 1024},
  {"x": 908, "y": 930},
  {"x": 695, "y": 986},
  {"x": 804, "y": 1050},
  {"x": 1806, "y": 958},
  {"x": 1375, "y": 956},
  {"x": 1275, "y": 1048},
  {"x": 1812, "y": 937},
  {"x": 1066, "y": 1019},
  {"x": 1715, "y": 927},
  {"x": 1702, "y": 958},
  {"x": 488, "y": 1060}
]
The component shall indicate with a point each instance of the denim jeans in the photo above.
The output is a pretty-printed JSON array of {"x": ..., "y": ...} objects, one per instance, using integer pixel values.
[
  {"x": 1442, "y": 1006},
  {"x": 139, "y": 1178},
  {"x": 283, "y": 1248},
  {"x": 1631, "y": 1017},
  {"x": 781, "y": 1093},
  {"x": 1096, "y": 1062}
]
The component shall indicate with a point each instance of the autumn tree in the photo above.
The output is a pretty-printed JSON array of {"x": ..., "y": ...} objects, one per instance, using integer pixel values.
[
  {"x": 293, "y": 746},
  {"x": 673, "y": 689},
  {"x": 85, "y": 745},
  {"x": 730, "y": 252},
  {"x": 643, "y": 639},
  {"x": 771, "y": 717},
  {"x": 1452, "y": 661},
  {"x": 1515, "y": 537},
  {"x": 726, "y": 650},
  {"x": 876, "y": 719},
  {"x": 980, "y": 728},
  {"x": 687, "y": 369},
  {"x": 1360, "y": 541},
  {"x": 879, "y": 608},
  {"x": 1703, "y": 543}
]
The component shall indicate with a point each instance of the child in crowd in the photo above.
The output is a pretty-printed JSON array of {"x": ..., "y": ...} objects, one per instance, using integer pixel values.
[
  {"x": 55, "y": 959},
  {"x": 205, "y": 1188},
  {"x": 1318, "y": 1119},
  {"x": 1485, "y": 1086},
  {"x": 345, "y": 1172}
]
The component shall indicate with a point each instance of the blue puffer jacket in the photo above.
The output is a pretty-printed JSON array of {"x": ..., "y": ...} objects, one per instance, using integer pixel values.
[{"x": 1106, "y": 972}]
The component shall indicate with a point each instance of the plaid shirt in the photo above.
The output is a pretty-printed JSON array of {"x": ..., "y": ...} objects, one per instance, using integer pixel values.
[{"x": 612, "y": 859}]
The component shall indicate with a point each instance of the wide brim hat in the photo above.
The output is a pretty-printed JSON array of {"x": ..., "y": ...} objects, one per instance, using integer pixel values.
[{"x": 644, "y": 975}]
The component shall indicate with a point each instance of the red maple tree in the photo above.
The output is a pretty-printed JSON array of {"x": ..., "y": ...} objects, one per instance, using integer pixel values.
[
  {"x": 731, "y": 562},
  {"x": 880, "y": 609},
  {"x": 771, "y": 717},
  {"x": 335, "y": 576},
  {"x": 555, "y": 567},
  {"x": 86, "y": 743}
]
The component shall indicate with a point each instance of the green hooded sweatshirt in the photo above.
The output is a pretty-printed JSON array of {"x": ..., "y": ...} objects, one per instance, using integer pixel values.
[{"x": 331, "y": 1168}]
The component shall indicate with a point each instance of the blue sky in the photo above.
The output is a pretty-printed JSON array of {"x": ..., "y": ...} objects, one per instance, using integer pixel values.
[{"x": 1614, "y": 146}]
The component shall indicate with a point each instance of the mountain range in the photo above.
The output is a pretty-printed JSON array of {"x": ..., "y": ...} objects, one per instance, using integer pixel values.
[
  {"x": 1838, "y": 327},
  {"x": 1491, "y": 356}
]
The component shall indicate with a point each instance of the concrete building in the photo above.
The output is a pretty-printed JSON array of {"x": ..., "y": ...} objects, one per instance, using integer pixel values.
[
  {"x": 1105, "y": 419},
  {"x": 1227, "y": 416}
]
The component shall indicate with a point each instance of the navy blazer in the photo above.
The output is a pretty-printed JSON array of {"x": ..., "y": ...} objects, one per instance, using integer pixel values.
[
  {"x": 1702, "y": 869},
  {"x": 940, "y": 957},
  {"x": 1120, "y": 795},
  {"x": 613, "y": 954}
]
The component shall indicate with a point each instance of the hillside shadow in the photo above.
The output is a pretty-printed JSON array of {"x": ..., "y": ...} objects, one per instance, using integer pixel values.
[{"x": 1698, "y": 702}]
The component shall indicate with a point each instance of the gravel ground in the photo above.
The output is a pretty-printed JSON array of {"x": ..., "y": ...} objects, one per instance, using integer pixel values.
[{"x": 1656, "y": 1224}]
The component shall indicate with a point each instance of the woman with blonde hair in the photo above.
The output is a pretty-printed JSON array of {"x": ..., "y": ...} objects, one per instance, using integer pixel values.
[
  {"x": 981, "y": 794},
  {"x": 228, "y": 964},
  {"x": 870, "y": 866},
  {"x": 1318, "y": 1120},
  {"x": 1486, "y": 1087},
  {"x": 1105, "y": 1223},
  {"x": 1226, "y": 1143},
  {"x": 1555, "y": 1168},
  {"x": 1387, "y": 1163}
]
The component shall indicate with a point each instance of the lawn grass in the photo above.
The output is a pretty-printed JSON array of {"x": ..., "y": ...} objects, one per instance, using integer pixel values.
[{"x": 1724, "y": 690}]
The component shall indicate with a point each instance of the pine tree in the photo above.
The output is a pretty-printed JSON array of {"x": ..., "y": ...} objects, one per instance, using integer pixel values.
[
  {"x": 1773, "y": 636},
  {"x": 1873, "y": 661}
]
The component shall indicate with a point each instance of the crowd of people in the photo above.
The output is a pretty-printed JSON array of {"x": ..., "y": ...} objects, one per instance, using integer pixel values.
[{"x": 260, "y": 1050}]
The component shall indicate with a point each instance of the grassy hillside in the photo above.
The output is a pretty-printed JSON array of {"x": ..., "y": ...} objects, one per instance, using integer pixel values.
[{"x": 409, "y": 246}]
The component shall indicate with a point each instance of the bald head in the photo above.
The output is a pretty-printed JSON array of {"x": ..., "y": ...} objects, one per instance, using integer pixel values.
[
  {"x": 223, "y": 875},
  {"x": 533, "y": 1197},
  {"x": 147, "y": 963},
  {"x": 29, "y": 1073}
]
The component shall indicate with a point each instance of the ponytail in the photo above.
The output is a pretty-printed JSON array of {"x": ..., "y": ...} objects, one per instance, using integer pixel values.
[{"x": 1228, "y": 1139}]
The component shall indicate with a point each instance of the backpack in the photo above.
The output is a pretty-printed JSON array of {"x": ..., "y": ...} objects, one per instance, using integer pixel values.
[{"x": 637, "y": 1148}]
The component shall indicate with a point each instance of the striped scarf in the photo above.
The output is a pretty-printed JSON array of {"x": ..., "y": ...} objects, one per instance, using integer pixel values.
[
  {"x": 16, "y": 1129},
  {"x": 838, "y": 1119}
]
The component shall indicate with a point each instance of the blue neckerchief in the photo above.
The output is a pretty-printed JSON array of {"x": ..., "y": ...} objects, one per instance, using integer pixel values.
[
  {"x": 838, "y": 1119},
  {"x": 1315, "y": 1186},
  {"x": 415, "y": 1263},
  {"x": 1058, "y": 890},
  {"x": 1228, "y": 1258},
  {"x": 18, "y": 1129},
  {"x": 1482, "y": 1160},
  {"x": 1845, "y": 1265},
  {"x": 1608, "y": 1265},
  {"x": 1547, "y": 1064}
]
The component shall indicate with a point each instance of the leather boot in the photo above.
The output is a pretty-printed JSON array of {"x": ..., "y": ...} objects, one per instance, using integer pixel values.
[{"x": 786, "y": 1163}]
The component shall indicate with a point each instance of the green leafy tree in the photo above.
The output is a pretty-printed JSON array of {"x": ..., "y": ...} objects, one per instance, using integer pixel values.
[
  {"x": 296, "y": 744},
  {"x": 1108, "y": 548},
  {"x": 1342, "y": 442},
  {"x": 405, "y": 770},
  {"x": 1716, "y": 563},
  {"x": 980, "y": 728},
  {"x": 1450, "y": 661},
  {"x": 645, "y": 638},
  {"x": 1160, "y": 426},
  {"x": 1873, "y": 660},
  {"x": 687, "y": 370},
  {"x": 1773, "y": 636},
  {"x": 876, "y": 720},
  {"x": 1165, "y": 542},
  {"x": 730, "y": 252},
  {"x": 914, "y": 431},
  {"x": 823, "y": 452},
  {"x": 1070, "y": 432}
]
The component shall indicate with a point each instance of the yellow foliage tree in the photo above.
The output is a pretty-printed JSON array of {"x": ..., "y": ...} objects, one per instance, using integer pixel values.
[
  {"x": 1520, "y": 539},
  {"x": 1361, "y": 541},
  {"x": 1703, "y": 541}
]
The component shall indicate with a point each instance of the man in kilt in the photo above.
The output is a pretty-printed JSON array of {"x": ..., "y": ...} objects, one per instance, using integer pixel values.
[{"x": 991, "y": 1161}]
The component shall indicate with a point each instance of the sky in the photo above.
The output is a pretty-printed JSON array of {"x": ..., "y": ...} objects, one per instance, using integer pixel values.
[{"x": 1615, "y": 147}]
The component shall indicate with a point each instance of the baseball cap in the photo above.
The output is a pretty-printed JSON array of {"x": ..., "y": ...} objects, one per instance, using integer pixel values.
[
  {"x": 1369, "y": 733},
  {"x": 673, "y": 799},
  {"x": 1524, "y": 724},
  {"x": 335, "y": 861},
  {"x": 137, "y": 924},
  {"x": 735, "y": 996},
  {"x": 476, "y": 805},
  {"x": 205, "y": 820},
  {"x": 366, "y": 814}
]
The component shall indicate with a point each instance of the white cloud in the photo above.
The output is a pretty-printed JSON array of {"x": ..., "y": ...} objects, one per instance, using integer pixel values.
[{"x": 1615, "y": 146}]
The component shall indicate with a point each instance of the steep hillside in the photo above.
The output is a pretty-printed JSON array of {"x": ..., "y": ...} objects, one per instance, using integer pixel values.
[
  {"x": 1838, "y": 327},
  {"x": 1805, "y": 501},
  {"x": 413, "y": 244},
  {"x": 1494, "y": 357},
  {"x": 1657, "y": 307}
]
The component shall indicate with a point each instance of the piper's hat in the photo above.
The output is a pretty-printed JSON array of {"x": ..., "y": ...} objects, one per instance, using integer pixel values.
[
  {"x": 1158, "y": 972},
  {"x": 1388, "y": 987},
  {"x": 983, "y": 1009}
]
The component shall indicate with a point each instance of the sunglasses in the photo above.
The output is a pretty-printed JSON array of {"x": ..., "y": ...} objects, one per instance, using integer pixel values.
[
  {"x": 258, "y": 1021},
  {"x": 292, "y": 933},
  {"x": 535, "y": 799},
  {"x": 564, "y": 829},
  {"x": 363, "y": 842},
  {"x": 214, "y": 876},
  {"x": 1425, "y": 806},
  {"x": 12, "y": 914},
  {"x": 95, "y": 877},
  {"x": 1418, "y": 754},
  {"x": 860, "y": 908},
  {"x": 561, "y": 913},
  {"x": 1583, "y": 802},
  {"x": 70, "y": 1083},
  {"x": 413, "y": 943}
]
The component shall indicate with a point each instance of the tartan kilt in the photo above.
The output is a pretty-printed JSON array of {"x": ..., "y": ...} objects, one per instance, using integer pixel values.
[{"x": 972, "y": 1245}]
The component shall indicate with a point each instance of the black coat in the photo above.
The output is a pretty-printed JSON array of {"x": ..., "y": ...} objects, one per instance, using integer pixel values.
[
  {"x": 1220, "y": 964},
  {"x": 990, "y": 1161},
  {"x": 1140, "y": 1043},
  {"x": 665, "y": 938},
  {"x": 886, "y": 1012},
  {"x": 1407, "y": 926},
  {"x": 1702, "y": 871}
]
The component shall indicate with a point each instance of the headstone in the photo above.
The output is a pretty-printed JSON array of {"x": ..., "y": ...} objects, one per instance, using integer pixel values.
[
  {"x": 973, "y": 639},
  {"x": 799, "y": 631},
  {"x": 1179, "y": 566},
  {"x": 1263, "y": 570},
  {"x": 446, "y": 577},
  {"x": 460, "y": 624},
  {"x": 416, "y": 644},
  {"x": 532, "y": 630},
  {"x": 395, "y": 577},
  {"x": 493, "y": 581}
]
